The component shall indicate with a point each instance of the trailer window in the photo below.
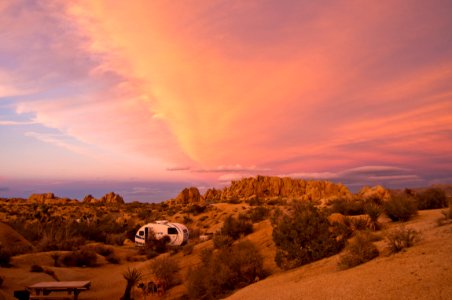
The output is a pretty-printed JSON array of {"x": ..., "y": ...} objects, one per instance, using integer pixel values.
[
  {"x": 141, "y": 232},
  {"x": 172, "y": 230}
]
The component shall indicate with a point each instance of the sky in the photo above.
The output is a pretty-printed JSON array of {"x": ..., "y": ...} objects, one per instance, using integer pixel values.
[{"x": 146, "y": 97}]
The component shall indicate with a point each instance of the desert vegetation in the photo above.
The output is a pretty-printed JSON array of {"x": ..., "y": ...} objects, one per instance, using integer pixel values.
[
  {"x": 358, "y": 251},
  {"x": 303, "y": 235},
  {"x": 230, "y": 241}
]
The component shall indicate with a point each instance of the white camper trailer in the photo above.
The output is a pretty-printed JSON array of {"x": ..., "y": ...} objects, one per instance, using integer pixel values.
[{"x": 177, "y": 233}]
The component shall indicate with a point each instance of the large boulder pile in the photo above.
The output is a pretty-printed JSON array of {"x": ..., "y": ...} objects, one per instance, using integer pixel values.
[
  {"x": 110, "y": 198},
  {"x": 268, "y": 187},
  {"x": 48, "y": 198},
  {"x": 188, "y": 196}
]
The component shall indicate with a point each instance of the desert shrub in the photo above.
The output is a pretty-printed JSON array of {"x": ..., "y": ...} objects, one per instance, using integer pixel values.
[
  {"x": 115, "y": 238},
  {"x": 258, "y": 214},
  {"x": 113, "y": 258},
  {"x": 188, "y": 249},
  {"x": 448, "y": 213},
  {"x": 187, "y": 220},
  {"x": 158, "y": 246},
  {"x": 359, "y": 223},
  {"x": 223, "y": 271},
  {"x": 401, "y": 207},
  {"x": 5, "y": 257},
  {"x": 164, "y": 270},
  {"x": 102, "y": 249},
  {"x": 235, "y": 227},
  {"x": 222, "y": 241},
  {"x": 373, "y": 211},
  {"x": 36, "y": 268},
  {"x": 358, "y": 251},
  {"x": 80, "y": 258},
  {"x": 431, "y": 198},
  {"x": 107, "y": 252},
  {"x": 401, "y": 238},
  {"x": 196, "y": 209},
  {"x": 303, "y": 236},
  {"x": 255, "y": 201},
  {"x": 347, "y": 207}
]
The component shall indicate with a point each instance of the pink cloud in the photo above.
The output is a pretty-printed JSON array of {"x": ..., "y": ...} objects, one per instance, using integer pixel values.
[{"x": 294, "y": 88}]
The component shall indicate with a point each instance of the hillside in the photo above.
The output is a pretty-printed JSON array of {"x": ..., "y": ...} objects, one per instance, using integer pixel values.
[{"x": 421, "y": 272}]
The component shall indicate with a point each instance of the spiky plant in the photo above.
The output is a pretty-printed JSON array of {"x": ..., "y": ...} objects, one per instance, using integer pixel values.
[
  {"x": 373, "y": 211},
  {"x": 132, "y": 276}
]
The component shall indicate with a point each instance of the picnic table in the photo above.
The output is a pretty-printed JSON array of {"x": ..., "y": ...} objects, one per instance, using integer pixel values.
[{"x": 45, "y": 290}]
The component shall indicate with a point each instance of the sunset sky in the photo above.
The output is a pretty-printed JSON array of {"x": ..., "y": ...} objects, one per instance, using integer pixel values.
[{"x": 145, "y": 97}]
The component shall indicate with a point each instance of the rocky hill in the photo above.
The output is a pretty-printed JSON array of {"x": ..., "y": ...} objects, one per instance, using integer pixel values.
[{"x": 267, "y": 187}]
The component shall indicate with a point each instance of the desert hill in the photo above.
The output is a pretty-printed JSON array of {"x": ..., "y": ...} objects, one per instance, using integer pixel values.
[{"x": 12, "y": 240}]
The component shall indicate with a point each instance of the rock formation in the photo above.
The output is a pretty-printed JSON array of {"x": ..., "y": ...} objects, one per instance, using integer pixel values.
[
  {"x": 110, "y": 198},
  {"x": 48, "y": 198},
  {"x": 267, "y": 187},
  {"x": 377, "y": 192},
  {"x": 188, "y": 196}
]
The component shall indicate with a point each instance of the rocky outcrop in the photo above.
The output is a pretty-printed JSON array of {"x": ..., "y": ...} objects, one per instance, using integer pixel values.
[
  {"x": 48, "y": 198},
  {"x": 378, "y": 193},
  {"x": 268, "y": 187},
  {"x": 110, "y": 198},
  {"x": 188, "y": 196}
]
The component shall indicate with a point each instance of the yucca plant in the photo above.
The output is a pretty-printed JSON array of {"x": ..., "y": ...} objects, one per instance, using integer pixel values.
[{"x": 132, "y": 276}]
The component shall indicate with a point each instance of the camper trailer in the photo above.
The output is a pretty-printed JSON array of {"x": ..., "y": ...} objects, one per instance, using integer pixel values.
[{"x": 177, "y": 233}]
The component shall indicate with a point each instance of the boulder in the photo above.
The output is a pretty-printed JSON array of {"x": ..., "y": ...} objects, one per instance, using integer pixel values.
[{"x": 188, "y": 196}]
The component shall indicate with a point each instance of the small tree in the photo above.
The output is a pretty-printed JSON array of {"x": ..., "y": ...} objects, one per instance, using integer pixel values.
[
  {"x": 303, "y": 236},
  {"x": 164, "y": 269},
  {"x": 132, "y": 276},
  {"x": 401, "y": 207},
  {"x": 432, "y": 198},
  {"x": 358, "y": 251}
]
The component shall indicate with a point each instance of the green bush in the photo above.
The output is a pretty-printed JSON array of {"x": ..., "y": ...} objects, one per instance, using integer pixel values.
[
  {"x": 236, "y": 227},
  {"x": 347, "y": 207},
  {"x": 401, "y": 207},
  {"x": 401, "y": 238},
  {"x": 303, "y": 236},
  {"x": 258, "y": 214},
  {"x": 431, "y": 198},
  {"x": 223, "y": 271},
  {"x": 80, "y": 258},
  {"x": 358, "y": 251},
  {"x": 164, "y": 270},
  {"x": 222, "y": 241}
]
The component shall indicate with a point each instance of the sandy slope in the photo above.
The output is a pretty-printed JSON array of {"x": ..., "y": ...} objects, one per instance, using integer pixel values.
[{"x": 421, "y": 272}]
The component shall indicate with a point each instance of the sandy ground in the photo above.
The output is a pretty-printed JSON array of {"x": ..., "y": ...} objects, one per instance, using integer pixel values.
[{"x": 421, "y": 272}]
